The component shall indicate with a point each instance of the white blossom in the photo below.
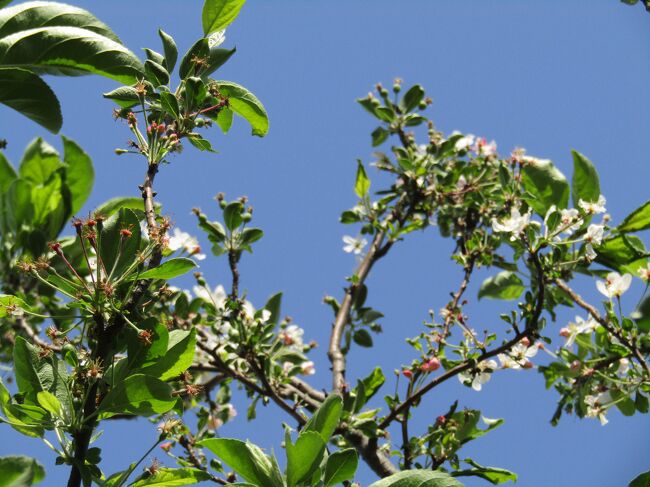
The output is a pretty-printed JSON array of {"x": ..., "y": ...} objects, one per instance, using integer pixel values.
[
  {"x": 354, "y": 245},
  {"x": 573, "y": 329},
  {"x": 518, "y": 356},
  {"x": 593, "y": 208},
  {"x": 614, "y": 285},
  {"x": 568, "y": 219},
  {"x": 534, "y": 161},
  {"x": 595, "y": 234},
  {"x": 307, "y": 368},
  {"x": 597, "y": 406},
  {"x": 480, "y": 375},
  {"x": 182, "y": 240},
  {"x": 484, "y": 148},
  {"x": 464, "y": 142},
  {"x": 217, "y": 297},
  {"x": 590, "y": 253},
  {"x": 291, "y": 336},
  {"x": 513, "y": 224}
]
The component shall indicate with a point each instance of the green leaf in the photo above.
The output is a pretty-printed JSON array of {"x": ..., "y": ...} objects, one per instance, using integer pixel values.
[
  {"x": 326, "y": 418},
  {"x": 119, "y": 252},
  {"x": 154, "y": 56},
  {"x": 418, "y": 478},
  {"x": 412, "y": 98},
  {"x": 29, "y": 95},
  {"x": 642, "y": 480},
  {"x": 273, "y": 305},
  {"x": 373, "y": 383},
  {"x": 32, "y": 373},
  {"x": 141, "y": 354},
  {"x": 244, "y": 458},
  {"x": 155, "y": 73},
  {"x": 362, "y": 183},
  {"x": 304, "y": 457},
  {"x": 169, "y": 102},
  {"x": 173, "y": 477},
  {"x": 505, "y": 285},
  {"x": 113, "y": 205},
  {"x": 50, "y": 403},
  {"x": 232, "y": 215},
  {"x": 585, "y": 184},
  {"x": 623, "y": 253},
  {"x": 219, "y": 14},
  {"x": 379, "y": 136},
  {"x": 20, "y": 209},
  {"x": 124, "y": 96},
  {"x": 79, "y": 173},
  {"x": 201, "y": 143},
  {"x": 7, "y": 301},
  {"x": 245, "y": 104},
  {"x": 168, "y": 269},
  {"x": 362, "y": 338},
  {"x": 546, "y": 184},
  {"x": 250, "y": 235},
  {"x": 7, "y": 174},
  {"x": 140, "y": 395},
  {"x": 224, "y": 119},
  {"x": 171, "y": 51},
  {"x": 40, "y": 14},
  {"x": 341, "y": 466},
  {"x": 213, "y": 59},
  {"x": 20, "y": 471},
  {"x": 636, "y": 221},
  {"x": 179, "y": 356},
  {"x": 493, "y": 475},
  {"x": 40, "y": 160},
  {"x": 68, "y": 51}
]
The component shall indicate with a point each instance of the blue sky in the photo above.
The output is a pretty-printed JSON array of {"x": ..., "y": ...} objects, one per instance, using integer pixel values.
[{"x": 549, "y": 76}]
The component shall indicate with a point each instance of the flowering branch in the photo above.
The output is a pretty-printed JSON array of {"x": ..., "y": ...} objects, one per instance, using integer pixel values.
[{"x": 576, "y": 298}]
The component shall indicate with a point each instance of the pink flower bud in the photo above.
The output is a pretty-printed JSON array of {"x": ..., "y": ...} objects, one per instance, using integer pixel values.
[
  {"x": 564, "y": 332},
  {"x": 407, "y": 373},
  {"x": 430, "y": 365}
]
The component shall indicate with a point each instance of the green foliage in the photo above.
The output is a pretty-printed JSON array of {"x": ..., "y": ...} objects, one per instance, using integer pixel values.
[
  {"x": 219, "y": 14},
  {"x": 505, "y": 285},
  {"x": 642, "y": 480},
  {"x": 54, "y": 38},
  {"x": 172, "y": 477},
  {"x": 20, "y": 471},
  {"x": 139, "y": 394},
  {"x": 585, "y": 184},
  {"x": 546, "y": 185},
  {"x": 418, "y": 478}
]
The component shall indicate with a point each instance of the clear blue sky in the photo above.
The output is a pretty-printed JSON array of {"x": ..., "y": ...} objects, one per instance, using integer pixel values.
[{"x": 549, "y": 76}]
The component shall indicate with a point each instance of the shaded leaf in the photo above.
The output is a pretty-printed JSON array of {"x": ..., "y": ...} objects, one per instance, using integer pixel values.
[
  {"x": 546, "y": 184},
  {"x": 20, "y": 471},
  {"x": 326, "y": 418},
  {"x": 341, "y": 466},
  {"x": 79, "y": 174},
  {"x": 304, "y": 457},
  {"x": 505, "y": 285},
  {"x": 29, "y": 95}
]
